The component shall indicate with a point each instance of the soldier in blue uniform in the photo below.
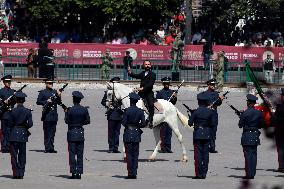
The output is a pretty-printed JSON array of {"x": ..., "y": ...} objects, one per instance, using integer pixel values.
[
  {"x": 165, "y": 130},
  {"x": 278, "y": 120},
  {"x": 5, "y": 93},
  {"x": 203, "y": 119},
  {"x": 251, "y": 121},
  {"x": 133, "y": 120},
  {"x": 76, "y": 117},
  {"x": 20, "y": 121},
  {"x": 114, "y": 116},
  {"x": 213, "y": 97},
  {"x": 51, "y": 118}
]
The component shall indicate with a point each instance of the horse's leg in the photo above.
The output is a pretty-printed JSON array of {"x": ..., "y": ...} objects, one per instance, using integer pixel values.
[
  {"x": 156, "y": 131},
  {"x": 173, "y": 123}
]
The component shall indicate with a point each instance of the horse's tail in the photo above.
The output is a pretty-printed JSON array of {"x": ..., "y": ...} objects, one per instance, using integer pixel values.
[{"x": 183, "y": 119}]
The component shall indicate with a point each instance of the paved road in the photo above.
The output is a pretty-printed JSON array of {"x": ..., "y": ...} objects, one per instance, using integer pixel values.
[{"x": 104, "y": 170}]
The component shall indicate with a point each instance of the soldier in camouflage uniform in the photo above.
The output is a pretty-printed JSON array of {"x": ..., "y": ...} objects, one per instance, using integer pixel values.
[
  {"x": 106, "y": 64},
  {"x": 219, "y": 70},
  {"x": 177, "y": 51}
]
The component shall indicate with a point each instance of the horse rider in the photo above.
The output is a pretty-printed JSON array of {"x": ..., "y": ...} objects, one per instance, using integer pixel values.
[
  {"x": 5, "y": 93},
  {"x": 76, "y": 117},
  {"x": 213, "y": 97},
  {"x": 165, "y": 131},
  {"x": 114, "y": 116},
  {"x": 251, "y": 120},
  {"x": 203, "y": 119},
  {"x": 133, "y": 120},
  {"x": 148, "y": 79},
  {"x": 20, "y": 121}
]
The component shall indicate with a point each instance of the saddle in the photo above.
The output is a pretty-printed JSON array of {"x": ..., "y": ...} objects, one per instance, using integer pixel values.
[{"x": 158, "y": 108}]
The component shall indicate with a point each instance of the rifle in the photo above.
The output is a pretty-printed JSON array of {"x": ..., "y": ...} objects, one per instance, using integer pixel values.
[
  {"x": 238, "y": 112},
  {"x": 54, "y": 99},
  {"x": 4, "y": 107},
  {"x": 214, "y": 104},
  {"x": 188, "y": 109},
  {"x": 176, "y": 91}
]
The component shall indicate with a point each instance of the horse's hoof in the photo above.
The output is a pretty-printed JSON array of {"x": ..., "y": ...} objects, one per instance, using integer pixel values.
[{"x": 151, "y": 159}]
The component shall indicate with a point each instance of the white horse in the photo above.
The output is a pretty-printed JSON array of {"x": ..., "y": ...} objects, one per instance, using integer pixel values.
[{"x": 170, "y": 115}]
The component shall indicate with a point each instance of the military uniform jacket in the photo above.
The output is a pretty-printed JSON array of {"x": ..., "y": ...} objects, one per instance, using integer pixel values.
[
  {"x": 42, "y": 98},
  {"x": 251, "y": 121},
  {"x": 214, "y": 96},
  {"x": 4, "y": 94},
  {"x": 76, "y": 117},
  {"x": 133, "y": 120},
  {"x": 203, "y": 120},
  {"x": 114, "y": 114},
  {"x": 279, "y": 115},
  {"x": 166, "y": 94},
  {"x": 278, "y": 122},
  {"x": 147, "y": 81},
  {"x": 20, "y": 121}
]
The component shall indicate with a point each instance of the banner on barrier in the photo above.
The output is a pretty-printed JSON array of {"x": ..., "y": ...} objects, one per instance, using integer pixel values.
[{"x": 89, "y": 53}]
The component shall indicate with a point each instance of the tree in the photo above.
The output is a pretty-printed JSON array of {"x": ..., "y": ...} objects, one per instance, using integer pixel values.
[{"x": 223, "y": 15}]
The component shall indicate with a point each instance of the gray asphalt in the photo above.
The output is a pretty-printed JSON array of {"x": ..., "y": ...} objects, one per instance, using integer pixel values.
[{"x": 104, "y": 170}]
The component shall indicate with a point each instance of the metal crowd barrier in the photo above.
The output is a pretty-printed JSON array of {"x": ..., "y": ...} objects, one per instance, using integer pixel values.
[{"x": 89, "y": 69}]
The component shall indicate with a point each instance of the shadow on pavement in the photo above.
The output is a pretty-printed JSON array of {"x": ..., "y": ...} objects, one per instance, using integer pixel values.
[
  {"x": 184, "y": 176},
  {"x": 107, "y": 151},
  {"x": 42, "y": 151},
  {"x": 7, "y": 176},
  {"x": 118, "y": 160},
  {"x": 236, "y": 176},
  {"x": 61, "y": 176},
  {"x": 156, "y": 160},
  {"x": 118, "y": 176},
  {"x": 239, "y": 168}
]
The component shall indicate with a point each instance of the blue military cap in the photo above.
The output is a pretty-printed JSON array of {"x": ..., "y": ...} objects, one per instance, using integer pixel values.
[
  {"x": 282, "y": 91},
  {"x": 202, "y": 97},
  {"x": 134, "y": 96},
  {"x": 49, "y": 80},
  {"x": 77, "y": 94},
  {"x": 20, "y": 95},
  {"x": 115, "y": 79},
  {"x": 211, "y": 82},
  {"x": 251, "y": 97},
  {"x": 6, "y": 78},
  {"x": 166, "y": 79}
]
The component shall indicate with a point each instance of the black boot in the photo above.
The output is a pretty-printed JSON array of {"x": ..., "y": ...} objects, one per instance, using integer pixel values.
[
  {"x": 78, "y": 176},
  {"x": 73, "y": 176}
]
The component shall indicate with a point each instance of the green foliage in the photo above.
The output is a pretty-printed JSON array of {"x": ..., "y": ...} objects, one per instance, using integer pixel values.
[{"x": 133, "y": 10}]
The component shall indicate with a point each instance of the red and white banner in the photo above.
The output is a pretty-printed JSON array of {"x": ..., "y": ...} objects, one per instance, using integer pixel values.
[{"x": 89, "y": 53}]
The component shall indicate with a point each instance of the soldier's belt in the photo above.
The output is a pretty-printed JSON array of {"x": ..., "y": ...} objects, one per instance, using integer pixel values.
[
  {"x": 250, "y": 130},
  {"x": 132, "y": 127}
]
